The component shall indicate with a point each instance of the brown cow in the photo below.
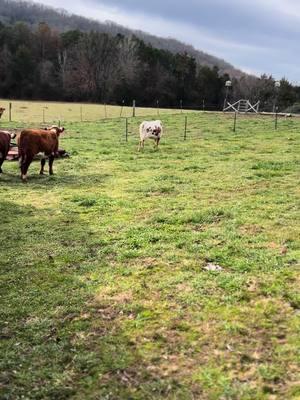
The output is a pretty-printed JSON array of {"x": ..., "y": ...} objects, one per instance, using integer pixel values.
[
  {"x": 34, "y": 141},
  {"x": 5, "y": 138}
]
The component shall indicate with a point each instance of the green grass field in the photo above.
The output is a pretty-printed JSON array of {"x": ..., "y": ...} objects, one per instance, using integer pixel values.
[{"x": 104, "y": 291}]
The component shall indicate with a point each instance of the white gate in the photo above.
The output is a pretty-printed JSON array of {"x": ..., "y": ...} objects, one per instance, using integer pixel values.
[{"x": 242, "y": 106}]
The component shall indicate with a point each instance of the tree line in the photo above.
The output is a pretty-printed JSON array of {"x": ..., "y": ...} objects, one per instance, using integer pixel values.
[{"x": 45, "y": 64}]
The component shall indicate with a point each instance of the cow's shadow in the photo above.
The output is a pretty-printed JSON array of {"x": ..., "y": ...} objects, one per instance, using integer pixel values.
[
  {"x": 12, "y": 211},
  {"x": 13, "y": 180}
]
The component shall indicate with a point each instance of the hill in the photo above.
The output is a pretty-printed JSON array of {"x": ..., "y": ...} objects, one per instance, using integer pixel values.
[{"x": 33, "y": 14}]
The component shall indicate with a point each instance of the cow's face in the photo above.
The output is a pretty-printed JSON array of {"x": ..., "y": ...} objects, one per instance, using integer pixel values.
[
  {"x": 61, "y": 129},
  {"x": 57, "y": 129}
]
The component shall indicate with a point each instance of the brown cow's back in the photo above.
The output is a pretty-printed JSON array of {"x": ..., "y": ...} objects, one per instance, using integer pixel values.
[{"x": 33, "y": 141}]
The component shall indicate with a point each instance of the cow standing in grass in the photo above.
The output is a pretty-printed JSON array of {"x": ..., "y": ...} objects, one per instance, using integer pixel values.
[
  {"x": 5, "y": 138},
  {"x": 152, "y": 130},
  {"x": 34, "y": 141}
]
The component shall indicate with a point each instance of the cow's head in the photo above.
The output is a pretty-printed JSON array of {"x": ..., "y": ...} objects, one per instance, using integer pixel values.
[
  {"x": 57, "y": 129},
  {"x": 156, "y": 130}
]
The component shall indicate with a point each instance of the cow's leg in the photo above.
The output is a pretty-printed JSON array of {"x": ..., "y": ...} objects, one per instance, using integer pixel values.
[
  {"x": 25, "y": 162},
  {"x": 22, "y": 162},
  {"x": 43, "y": 162},
  {"x": 51, "y": 160},
  {"x": 156, "y": 141},
  {"x": 141, "y": 145},
  {"x": 1, "y": 162}
]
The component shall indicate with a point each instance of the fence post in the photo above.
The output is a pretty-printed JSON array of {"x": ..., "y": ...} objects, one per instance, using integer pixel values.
[
  {"x": 181, "y": 105},
  {"x": 157, "y": 105},
  {"x": 43, "y": 115},
  {"x": 276, "y": 118},
  {"x": 10, "y": 107},
  {"x": 185, "y": 127},
  {"x": 234, "y": 122},
  {"x": 121, "y": 112},
  {"x": 133, "y": 108},
  {"x": 126, "y": 129},
  {"x": 203, "y": 105}
]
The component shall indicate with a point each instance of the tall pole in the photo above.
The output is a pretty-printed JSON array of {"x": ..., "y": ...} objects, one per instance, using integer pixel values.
[
  {"x": 276, "y": 87},
  {"x": 225, "y": 100},
  {"x": 228, "y": 84}
]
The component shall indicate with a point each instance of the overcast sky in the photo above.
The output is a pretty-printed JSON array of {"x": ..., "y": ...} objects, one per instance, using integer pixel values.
[{"x": 256, "y": 36}]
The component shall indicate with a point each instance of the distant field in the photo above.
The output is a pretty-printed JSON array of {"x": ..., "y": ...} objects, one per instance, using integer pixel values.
[
  {"x": 104, "y": 289},
  {"x": 51, "y": 112}
]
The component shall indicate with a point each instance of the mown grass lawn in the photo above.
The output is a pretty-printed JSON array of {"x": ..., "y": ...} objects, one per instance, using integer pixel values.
[{"x": 104, "y": 292}]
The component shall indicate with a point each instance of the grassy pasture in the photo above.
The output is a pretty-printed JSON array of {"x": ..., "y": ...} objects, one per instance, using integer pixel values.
[
  {"x": 51, "y": 112},
  {"x": 104, "y": 292}
]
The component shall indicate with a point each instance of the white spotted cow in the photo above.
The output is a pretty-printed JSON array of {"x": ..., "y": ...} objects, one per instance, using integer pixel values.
[{"x": 152, "y": 130}]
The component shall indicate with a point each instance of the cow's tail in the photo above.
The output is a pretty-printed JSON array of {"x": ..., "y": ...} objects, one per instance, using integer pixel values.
[
  {"x": 21, "y": 152},
  {"x": 22, "y": 158}
]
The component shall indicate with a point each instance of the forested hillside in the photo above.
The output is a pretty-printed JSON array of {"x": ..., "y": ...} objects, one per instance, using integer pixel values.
[
  {"x": 94, "y": 66},
  {"x": 33, "y": 14}
]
